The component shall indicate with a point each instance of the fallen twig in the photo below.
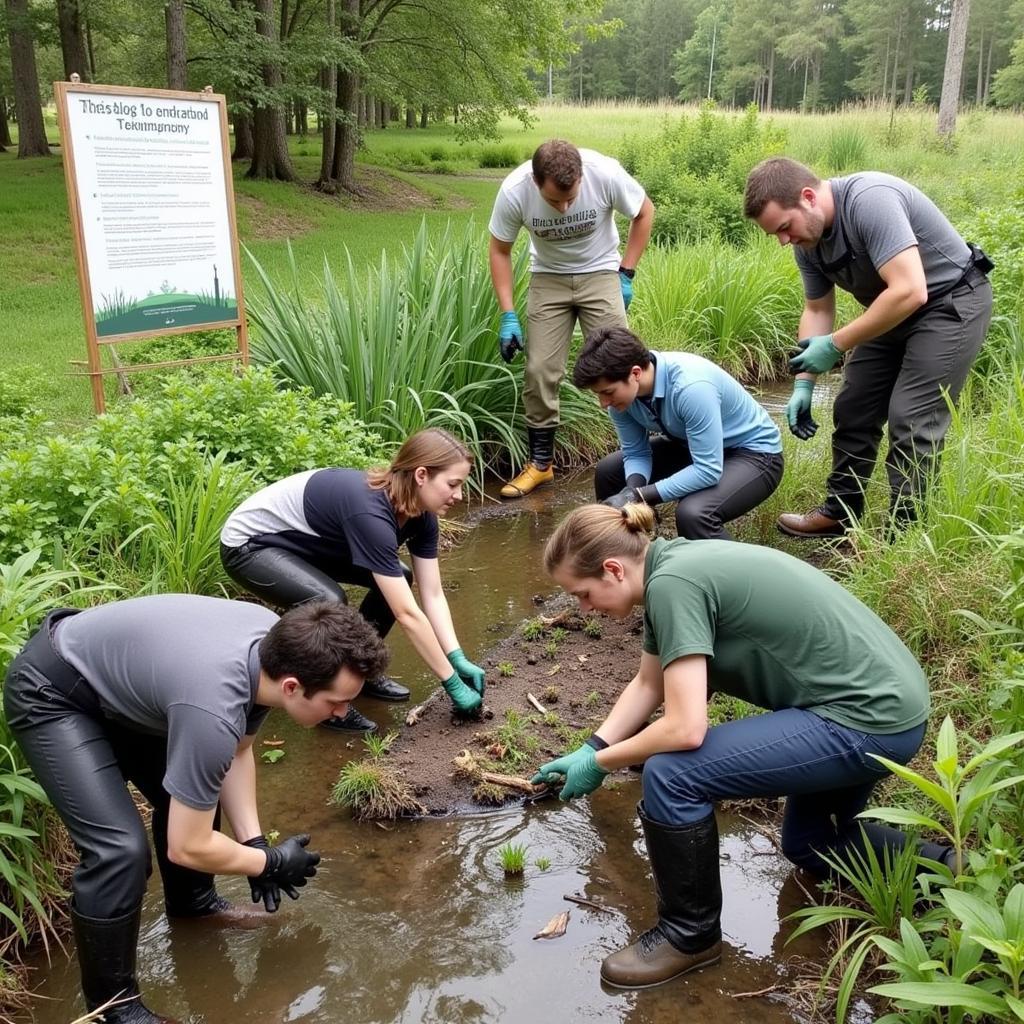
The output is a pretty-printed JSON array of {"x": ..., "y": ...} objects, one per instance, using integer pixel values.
[
  {"x": 754, "y": 995},
  {"x": 416, "y": 713},
  {"x": 583, "y": 902},
  {"x": 536, "y": 703}
]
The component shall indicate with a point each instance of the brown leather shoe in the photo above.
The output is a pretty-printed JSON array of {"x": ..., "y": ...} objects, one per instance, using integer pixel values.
[
  {"x": 811, "y": 524},
  {"x": 653, "y": 960}
]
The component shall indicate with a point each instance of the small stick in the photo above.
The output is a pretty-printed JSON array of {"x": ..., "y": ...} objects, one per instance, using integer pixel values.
[
  {"x": 754, "y": 995},
  {"x": 417, "y": 712},
  {"x": 512, "y": 782},
  {"x": 588, "y": 903},
  {"x": 536, "y": 703}
]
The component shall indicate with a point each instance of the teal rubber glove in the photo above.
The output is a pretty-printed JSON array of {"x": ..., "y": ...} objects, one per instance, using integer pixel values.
[
  {"x": 817, "y": 355},
  {"x": 581, "y": 771},
  {"x": 626, "y": 284},
  {"x": 472, "y": 675},
  {"x": 798, "y": 410},
  {"x": 466, "y": 701},
  {"x": 510, "y": 336}
]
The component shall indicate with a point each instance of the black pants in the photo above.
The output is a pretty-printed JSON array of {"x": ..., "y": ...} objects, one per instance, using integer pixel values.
[
  {"x": 284, "y": 579},
  {"x": 906, "y": 380},
  {"x": 748, "y": 478},
  {"x": 83, "y": 762}
]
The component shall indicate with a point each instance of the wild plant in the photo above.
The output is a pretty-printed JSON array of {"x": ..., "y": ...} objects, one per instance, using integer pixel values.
[
  {"x": 374, "y": 790},
  {"x": 506, "y": 669},
  {"x": 542, "y": 863},
  {"x": 592, "y": 628},
  {"x": 532, "y": 629},
  {"x": 513, "y": 858},
  {"x": 377, "y": 746}
]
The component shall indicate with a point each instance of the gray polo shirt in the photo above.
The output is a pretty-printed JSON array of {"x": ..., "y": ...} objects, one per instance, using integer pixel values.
[
  {"x": 175, "y": 665},
  {"x": 878, "y": 216}
]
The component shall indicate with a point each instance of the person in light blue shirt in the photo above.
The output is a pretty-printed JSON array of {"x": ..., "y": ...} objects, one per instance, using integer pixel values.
[{"x": 689, "y": 433}]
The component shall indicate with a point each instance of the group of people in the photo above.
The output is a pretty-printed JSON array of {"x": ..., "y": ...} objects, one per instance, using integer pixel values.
[{"x": 168, "y": 691}]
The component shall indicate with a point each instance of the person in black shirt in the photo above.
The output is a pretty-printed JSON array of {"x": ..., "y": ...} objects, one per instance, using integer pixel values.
[{"x": 299, "y": 539}]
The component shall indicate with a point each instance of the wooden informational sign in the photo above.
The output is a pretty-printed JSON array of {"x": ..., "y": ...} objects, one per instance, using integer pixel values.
[{"x": 152, "y": 208}]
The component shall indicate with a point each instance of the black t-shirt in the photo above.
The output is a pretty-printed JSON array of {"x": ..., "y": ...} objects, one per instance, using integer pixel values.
[{"x": 332, "y": 519}]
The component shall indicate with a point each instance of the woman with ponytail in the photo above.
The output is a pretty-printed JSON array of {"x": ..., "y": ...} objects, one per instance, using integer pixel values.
[
  {"x": 299, "y": 539},
  {"x": 838, "y": 687}
]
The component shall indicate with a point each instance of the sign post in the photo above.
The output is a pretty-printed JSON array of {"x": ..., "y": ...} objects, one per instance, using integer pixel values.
[{"x": 152, "y": 208}]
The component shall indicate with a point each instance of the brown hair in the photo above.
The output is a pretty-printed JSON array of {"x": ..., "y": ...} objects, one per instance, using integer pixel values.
[
  {"x": 777, "y": 179},
  {"x": 315, "y": 641},
  {"x": 558, "y": 160},
  {"x": 609, "y": 353},
  {"x": 590, "y": 534},
  {"x": 433, "y": 449}
]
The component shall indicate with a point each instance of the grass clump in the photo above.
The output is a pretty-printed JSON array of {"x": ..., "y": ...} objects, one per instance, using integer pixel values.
[
  {"x": 513, "y": 858},
  {"x": 542, "y": 863},
  {"x": 506, "y": 669},
  {"x": 377, "y": 746},
  {"x": 532, "y": 629},
  {"x": 592, "y": 628},
  {"x": 374, "y": 791}
]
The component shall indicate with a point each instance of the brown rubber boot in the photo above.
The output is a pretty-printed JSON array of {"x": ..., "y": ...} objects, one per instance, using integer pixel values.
[{"x": 688, "y": 935}]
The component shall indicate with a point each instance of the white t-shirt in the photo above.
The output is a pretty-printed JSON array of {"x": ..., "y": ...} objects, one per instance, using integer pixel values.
[{"x": 584, "y": 238}]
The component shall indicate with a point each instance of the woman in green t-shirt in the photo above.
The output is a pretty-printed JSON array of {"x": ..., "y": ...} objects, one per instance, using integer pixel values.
[{"x": 837, "y": 684}]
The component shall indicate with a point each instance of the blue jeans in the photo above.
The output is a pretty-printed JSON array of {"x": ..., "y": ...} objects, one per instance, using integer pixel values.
[{"x": 822, "y": 768}]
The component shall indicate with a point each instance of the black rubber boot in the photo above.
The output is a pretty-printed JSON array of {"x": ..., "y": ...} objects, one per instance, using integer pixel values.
[
  {"x": 106, "y": 958},
  {"x": 688, "y": 935},
  {"x": 542, "y": 446}
]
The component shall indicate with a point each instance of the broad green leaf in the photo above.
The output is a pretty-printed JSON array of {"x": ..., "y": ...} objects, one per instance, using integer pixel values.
[
  {"x": 993, "y": 748},
  {"x": 982, "y": 919},
  {"x": 943, "y": 993},
  {"x": 945, "y": 742}
]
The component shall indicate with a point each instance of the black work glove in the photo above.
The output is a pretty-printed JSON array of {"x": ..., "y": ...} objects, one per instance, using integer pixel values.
[
  {"x": 289, "y": 865},
  {"x": 265, "y": 891},
  {"x": 629, "y": 493}
]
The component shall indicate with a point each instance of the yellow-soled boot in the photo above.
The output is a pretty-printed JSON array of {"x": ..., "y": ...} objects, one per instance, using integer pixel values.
[
  {"x": 538, "y": 469},
  {"x": 530, "y": 479}
]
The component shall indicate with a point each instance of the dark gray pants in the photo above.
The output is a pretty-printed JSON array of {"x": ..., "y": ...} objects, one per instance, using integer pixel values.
[
  {"x": 902, "y": 379},
  {"x": 747, "y": 479}
]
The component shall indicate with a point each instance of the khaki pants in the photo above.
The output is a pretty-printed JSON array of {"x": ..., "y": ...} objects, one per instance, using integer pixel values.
[{"x": 554, "y": 303}]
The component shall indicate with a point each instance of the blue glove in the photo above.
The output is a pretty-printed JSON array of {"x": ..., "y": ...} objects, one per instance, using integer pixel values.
[
  {"x": 472, "y": 675},
  {"x": 798, "y": 410},
  {"x": 581, "y": 771},
  {"x": 465, "y": 700},
  {"x": 626, "y": 284},
  {"x": 510, "y": 336},
  {"x": 818, "y": 355}
]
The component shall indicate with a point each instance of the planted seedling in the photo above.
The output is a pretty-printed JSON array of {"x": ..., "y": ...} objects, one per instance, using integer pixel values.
[
  {"x": 592, "y": 628},
  {"x": 378, "y": 746},
  {"x": 513, "y": 858},
  {"x": 543, "y": 863},
  {"x": 506, "y": 669},
  {"x": 592, "y": 699},
  {"x": 532, "y": 629},
  {"x": 550, "y": 649},
  {"x": 374, "y": 790},
  {"x": 271, "y": 756},
  {"x": 551, "y": 695}
]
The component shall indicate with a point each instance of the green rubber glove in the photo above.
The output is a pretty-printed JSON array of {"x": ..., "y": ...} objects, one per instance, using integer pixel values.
[
  {"x": 581, "y": 771},
  {"x": 466, "y": 701},
  {"x": 472, "y": 675},
  {"x": 818, "y": 355},
  {"x": 798, "y": 410}
]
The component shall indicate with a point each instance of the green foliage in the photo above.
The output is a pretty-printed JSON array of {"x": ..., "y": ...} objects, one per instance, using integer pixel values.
[
  {"x": 506, "y": 669},
  {"x": 271, "y": 755},
  {"x": 592, "y": 628},
  {"x": 373, "y": 790},
  {"x": 413, "y": 344},
  {"x": 504, "y": 154},
  {"x": 513, "y": 858},
  {"x": 532, "y": 629},
  {"x": 735, "y": 306},
  {"x": 847, "y": 149},
  {"x": 543, "y": 863},
  {"x": 91, "y": 489},
  {"x": 378, "y": 746},
  {"x": 695, "y": 169}
]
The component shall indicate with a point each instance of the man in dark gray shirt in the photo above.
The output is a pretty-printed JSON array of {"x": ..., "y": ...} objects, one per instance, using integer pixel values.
[
  {"x": 927, "y": 308},
  {"x": 167, "y": 692}
]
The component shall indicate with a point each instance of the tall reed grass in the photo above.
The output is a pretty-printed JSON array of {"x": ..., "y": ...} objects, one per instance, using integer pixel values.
[{"x": 413, "y": 343}]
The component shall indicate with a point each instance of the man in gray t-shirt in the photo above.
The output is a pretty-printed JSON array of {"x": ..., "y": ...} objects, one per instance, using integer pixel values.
[
  {"x": 167, "y": 692},
  {"x": 927, "y": 304}
]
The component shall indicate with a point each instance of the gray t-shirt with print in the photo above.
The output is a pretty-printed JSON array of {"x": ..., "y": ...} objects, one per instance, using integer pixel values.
[
  {"x": 878, "y": 216},
  {"x": 175, "y": 665}
]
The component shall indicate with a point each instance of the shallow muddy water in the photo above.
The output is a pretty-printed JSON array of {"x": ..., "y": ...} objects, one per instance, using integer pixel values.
[{"x": 415, "y": 922}]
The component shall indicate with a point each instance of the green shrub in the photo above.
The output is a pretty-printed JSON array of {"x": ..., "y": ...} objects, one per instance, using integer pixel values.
[
  {"x": 413, "y": 344},
  {"x": 695, "y": 170},
  {"x": 846, "y": 149},
  {"x": 500, "y": 155}
]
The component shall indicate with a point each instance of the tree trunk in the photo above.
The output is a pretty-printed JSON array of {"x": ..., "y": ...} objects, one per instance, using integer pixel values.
[
  {"x": 979, "y": 85},
  {"x": 988, "y": 68},
  {"x": 954, "y": 67},
  {"x": 243, "y": 137},
  {"x": 410, "y": 116},
  {"x": 270, "y": 157},
  {"x": 5, "y": 128},
  {"x": 72, "y": 42},
  {"x": 90, "y": 48},
  {"x": 771, "y": 79},
  {"x": 343, "y": 170},
  {"x": 174, "y": 22},
  {"x": 27, "y": 102},
  {"x": 329, "y": 83},
  {"x": 424, "y": 116},
  {"x": 908, "y": 81}
]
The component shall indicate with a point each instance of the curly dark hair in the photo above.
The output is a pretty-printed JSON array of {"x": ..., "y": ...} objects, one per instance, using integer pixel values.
[
  {"x": 558, "y": 160},
  {"x": 315, "y": 641},
  {"x": 609, "y": 353}
]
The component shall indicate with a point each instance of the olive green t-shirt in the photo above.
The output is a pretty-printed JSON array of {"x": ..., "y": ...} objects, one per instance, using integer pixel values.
[{"x": 779, "y": 633}]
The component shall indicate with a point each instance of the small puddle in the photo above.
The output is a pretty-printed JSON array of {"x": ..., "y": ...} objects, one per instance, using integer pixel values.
[{"x": 415, "y": 922}]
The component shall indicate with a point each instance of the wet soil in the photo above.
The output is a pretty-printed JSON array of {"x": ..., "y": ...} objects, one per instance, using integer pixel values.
[{"x": 574, "y": 666}]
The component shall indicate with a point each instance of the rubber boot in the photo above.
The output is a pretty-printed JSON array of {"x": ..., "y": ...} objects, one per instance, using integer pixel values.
[
  {"x": 106, "y": 958},
  {"x": 538, "y": 470},
  {"x": 688, "y": 935}
]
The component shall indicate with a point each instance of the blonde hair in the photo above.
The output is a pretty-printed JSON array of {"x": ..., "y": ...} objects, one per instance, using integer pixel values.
[
  {"x": 592, "y": 533},
  {"x": 434, "y": 449}
]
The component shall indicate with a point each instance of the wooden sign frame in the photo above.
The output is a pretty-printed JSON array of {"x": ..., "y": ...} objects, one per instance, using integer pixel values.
[{"x": 64, "y": 92}]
